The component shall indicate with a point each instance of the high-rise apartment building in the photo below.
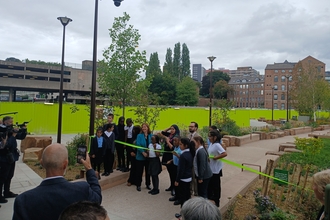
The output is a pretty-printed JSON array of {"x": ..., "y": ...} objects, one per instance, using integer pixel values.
[{"x": 198, "y": 72}]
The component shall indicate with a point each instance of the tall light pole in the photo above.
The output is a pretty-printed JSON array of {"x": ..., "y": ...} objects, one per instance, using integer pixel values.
[
  {"x": 93, "y": 86},
  {"x": 211, "y": 91},
  {"x": 287, "y": 97},
  {"x": 273, "y": 104},
  {"x": 64, "y": 21}
]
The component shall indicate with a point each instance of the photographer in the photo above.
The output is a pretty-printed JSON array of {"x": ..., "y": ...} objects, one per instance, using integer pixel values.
[{"x": 9, "y": 154}]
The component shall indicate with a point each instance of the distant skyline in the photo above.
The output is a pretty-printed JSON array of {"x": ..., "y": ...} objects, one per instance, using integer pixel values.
[{"x": 239, "y": 33}]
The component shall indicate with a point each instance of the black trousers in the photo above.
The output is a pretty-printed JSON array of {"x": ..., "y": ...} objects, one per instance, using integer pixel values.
[
  {"x": 120, "y": 155},
  {"x": 108, "y": 161},
  {"x": 132, "y": 173},
  {"x": 140, "y": 165},
  {"x": 11, "y": 171},
  {"x": 155, "y": 182},
  {"x": 202, "y": 188},
  {"x": 214, "y": 188},
  {"x": 128, "y": 152},
  {"x": 184, "y": 192},
  {"x": 172, "y": 171}
]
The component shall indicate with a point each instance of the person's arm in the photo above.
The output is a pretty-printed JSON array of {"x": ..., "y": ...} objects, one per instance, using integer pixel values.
[
  {"x": 201, "y": 164},
  {"x": 115, "y": 131},
  {"x": 157, "y": 147},
  {"x": 126, "y": 134},
  {"x": 94, "y": 186},
  {"x": 140, "y": 142},
  {"x": 222, "y": 153},
  {"x": 19, "y": 211},
  {"x": 181, "y": 168},
  {"x": 21, "y": 133}
]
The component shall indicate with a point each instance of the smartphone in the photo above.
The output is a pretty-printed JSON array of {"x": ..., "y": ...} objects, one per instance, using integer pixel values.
[{"x": 81, "y": 153}]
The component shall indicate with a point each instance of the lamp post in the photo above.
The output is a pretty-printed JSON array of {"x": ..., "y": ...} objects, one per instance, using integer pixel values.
[
  {"x": 287, "y": 97},
  {"x": 64, "y": 21},
  {"x": 273, "y": 104},
  {"x": 211, "y": 91},
  {"x": 93, "y": 86}
]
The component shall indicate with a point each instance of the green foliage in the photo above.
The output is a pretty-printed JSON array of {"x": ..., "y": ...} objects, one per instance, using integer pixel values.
[
  {"x": 185, "y": 61},
  {"x": 40, "y": 62},
  {"x": 279, "y": 214},
  {"x": 263, "y": 203},
  {"x": 119, "y": 70},
  {"x": 147, "y": 114},
  {"x": 186, "y": 92},
  {"x": 310, "y": 147},
  {"x": 177, "y": 70},
  {"x": 153, "y": 68},
  {"x": 287, "y": 125},
  {"x": 216, "y": 76},
  {"x": 221, "y": 88},
  {"x": 165, "y": 87},
  {"x": 168, "y": 65},
  {"x": 72, "y": 146}
]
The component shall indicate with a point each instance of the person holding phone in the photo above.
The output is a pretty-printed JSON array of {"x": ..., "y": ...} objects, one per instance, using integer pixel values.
[{"x": 55, "y": 193}]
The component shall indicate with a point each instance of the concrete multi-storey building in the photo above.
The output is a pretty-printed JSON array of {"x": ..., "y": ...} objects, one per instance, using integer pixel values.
[
  {"x": 17, "y": 76},
  {"x": 198, "y": 71},
  {"x": 248, "y": 91},
  {"x": 279, "y": 79},
  {"x": 245, "y": 70},
  {"x": 327, "y": 76}
]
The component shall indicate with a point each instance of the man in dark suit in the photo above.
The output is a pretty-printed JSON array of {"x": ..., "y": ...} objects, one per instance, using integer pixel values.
[{"x": 55, "y": 193}]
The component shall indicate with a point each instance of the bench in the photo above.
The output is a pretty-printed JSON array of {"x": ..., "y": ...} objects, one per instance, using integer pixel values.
[
  {"x": 283, "y": 146},
  {"x": 33, "y": 154}
]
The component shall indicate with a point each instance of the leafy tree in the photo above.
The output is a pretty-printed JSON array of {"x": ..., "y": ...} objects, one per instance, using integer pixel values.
[
  {"x": 185, "y": 61},
  {"x": 177, "y": 61},
  {"x": 221, "y": 88},
  {"x": 216, "y": 76},
  {"x": 119, "y": 70},
  {"x": 187, "y": 92},
  {"x": 168, "y": 65},
  {"x": 148, "y": 114},
  {"x": 165, "y": 87},
  {"x": 13, "y": 59},
  {"x": 309, "y": 90},
  {"x": 153, "y": 68}
]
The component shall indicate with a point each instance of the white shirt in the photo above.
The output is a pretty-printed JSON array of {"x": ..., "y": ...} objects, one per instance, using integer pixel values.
[
  {"x": 215, "y": 150},
  {"x": 152, "y": 153},
  {"x": 129, "y": 131},
  {"x": 107, "y": 133}
]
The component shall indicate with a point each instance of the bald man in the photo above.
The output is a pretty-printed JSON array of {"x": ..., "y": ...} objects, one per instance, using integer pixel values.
[{"x": 55, "y": 193}]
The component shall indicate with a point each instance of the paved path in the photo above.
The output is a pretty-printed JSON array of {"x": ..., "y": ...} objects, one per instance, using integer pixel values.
[{"x": 123, "y": 202}]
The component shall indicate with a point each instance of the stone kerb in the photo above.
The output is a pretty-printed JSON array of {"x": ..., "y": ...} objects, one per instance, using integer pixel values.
[
  {"x": 31, "y": 141},
  {"x": 246, "y": 139},
  {"x": 301, "y": 130}
]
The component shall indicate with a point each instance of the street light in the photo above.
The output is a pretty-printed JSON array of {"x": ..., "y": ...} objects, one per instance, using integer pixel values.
[
  {"x": 273, "y": 104},
  {"x": 211, "y": 93},
  {"x": 287, "y": 97},
  {"x": 64, "y": 21},
  {"x": 93, "y": 89}
]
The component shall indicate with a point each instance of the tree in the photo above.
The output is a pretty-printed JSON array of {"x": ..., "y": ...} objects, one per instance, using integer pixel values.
[
  {"x": 119, "y": 70},
  {"x": 185, "y": 61},
  {"x": 177, "y": 62},
  {"x": 309, "y": 90},
  {"x": 165, "y": 87},
  {"x": 13, "y": 59},
  {"x": 153, "y": 68},
  {"x": 168, "y": 65},
  {"x": 221, "y": 88},
  {"x": 187, "y": 92},
  {"x": 216, "y": 76}
]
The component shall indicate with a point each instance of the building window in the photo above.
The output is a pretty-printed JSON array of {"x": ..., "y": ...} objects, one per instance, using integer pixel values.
[
  {"x": 276, "y": 71},
  {"x": 282, "y": 106},
  {"x": 283, "y": 87},
  {"x": 262, "y": 92},
  {"x": 282, "y": 96},
  {"x": 283, "y": 71},
  {"x": 275, "y": 96},
  {"x": 262, "y": 85},
  {"x": 275, "y": 78},
  {"x": 275, "y": 87},
  {"x": 275, "y": 105},
  {"x": 283, "y": 79},
  {"x": 290, "y": 71}
]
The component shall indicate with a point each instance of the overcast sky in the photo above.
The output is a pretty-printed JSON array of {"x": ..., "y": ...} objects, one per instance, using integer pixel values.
[{"x": 239, "y": 33}]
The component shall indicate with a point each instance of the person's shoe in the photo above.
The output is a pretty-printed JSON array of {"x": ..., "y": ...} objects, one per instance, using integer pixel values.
[
  {"x": 103, "y": 174},
  {"x": 168, "y": 189},
  {"x": 10, "y": 195},
  {"x": 150, "y": 191},
  {"x": 177, "y": 202},
  {"x": 125, "y": 170},
  {"x": 107, "y": 174},
  {"x": 3, "y": 200},
  {"x": 138, "y": 188},
  {"x": 111, "y": 171},
  {"x": 172, "y": 199},
  {"x": 173, "y": 192},
  {"x": 148, "y": 187},
  {"x": 118, "y": 168},
  {"x": 155, "y": 192},
  {"x": 177, "y": 215}
]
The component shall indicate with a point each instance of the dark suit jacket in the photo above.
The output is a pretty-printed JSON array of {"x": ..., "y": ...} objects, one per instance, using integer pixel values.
[{"x": 52, "y": 196}]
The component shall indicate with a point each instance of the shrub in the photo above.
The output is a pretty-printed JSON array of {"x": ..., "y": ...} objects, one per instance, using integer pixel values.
[{"x": 72, "y": 146}]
